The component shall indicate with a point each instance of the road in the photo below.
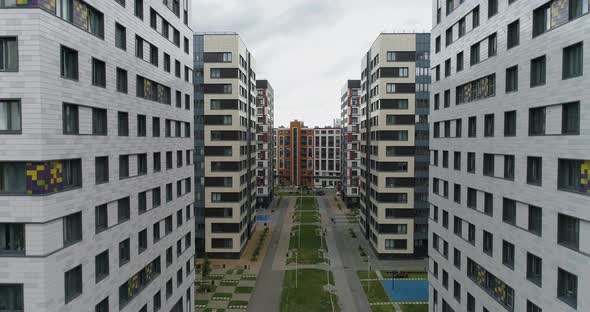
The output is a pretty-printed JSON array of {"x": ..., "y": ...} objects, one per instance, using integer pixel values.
[
  {"x": 343, "y": 260},
  {"x": 267, "y": 293}
]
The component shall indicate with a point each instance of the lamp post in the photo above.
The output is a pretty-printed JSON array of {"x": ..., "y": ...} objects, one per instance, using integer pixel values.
[{"x": 368, "y": 275}]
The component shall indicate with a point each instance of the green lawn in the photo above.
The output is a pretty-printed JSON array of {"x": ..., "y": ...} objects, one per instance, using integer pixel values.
[
  {"x": 422, "y": 275},
  {"x": 310, "y": 295},
  {"x": 306, "y": 203},
  {"x": 310, "y": 243},
  {"x": 414, "y": 307},
  {"x": 222, "y": 295},
  {"x": 201, "y": 302},
  {"x": 307, "y": 217},
  {"x": 376, "y": 292},
  {"x": 237, "y": 303},
  {"x": 364, "y": 275},
  {"x": 244, "y": 290}
]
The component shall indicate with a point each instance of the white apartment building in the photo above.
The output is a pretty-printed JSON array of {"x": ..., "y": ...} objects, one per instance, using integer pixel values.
[
  {"x": 265, "y": 141},
  {"x": 393, "y": 145},
  {"x": 226, "y": 197},
  {"x": 327, "y": 156},
  {"x": 509, "y": 160},
  {"x": 349, "y": 142},
  {"x": 96, "y": 152}
]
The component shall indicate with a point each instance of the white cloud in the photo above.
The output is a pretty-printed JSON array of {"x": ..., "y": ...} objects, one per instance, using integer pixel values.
[{"x": 308, "y": 49}]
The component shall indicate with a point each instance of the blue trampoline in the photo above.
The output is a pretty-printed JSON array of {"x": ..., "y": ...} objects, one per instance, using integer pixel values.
[
  {"x": 406, "y": 290},
  {"x": 262, "y": 218}
]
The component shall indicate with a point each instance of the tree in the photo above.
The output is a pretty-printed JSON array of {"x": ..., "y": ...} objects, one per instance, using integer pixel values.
[{"x": 206, "y": 267}]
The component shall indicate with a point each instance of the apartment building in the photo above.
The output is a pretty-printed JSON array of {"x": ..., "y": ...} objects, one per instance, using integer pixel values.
[
  {"x": 326, "y": 160},
  {"x": 96, "y": 165},
  {"x": 226, "y": 194},
  {"x": 508, "y": 107},
  {"x": 394, "y": 145},
  {"x": 349, "y": 142},
  {"x": 295, "y": 154},
  {"x": 265, "y": 142}
]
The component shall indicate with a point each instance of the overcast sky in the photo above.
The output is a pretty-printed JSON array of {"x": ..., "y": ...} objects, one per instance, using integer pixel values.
[{"x": 308, "y": 49}]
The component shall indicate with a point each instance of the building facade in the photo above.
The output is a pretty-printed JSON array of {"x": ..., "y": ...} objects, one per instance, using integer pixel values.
[
  {"x": 307, "y": 156},
  {"x": 226, "y": 195},
  {"x": 349, "y": 142},
  {"x": 90, "y": 113},
  {"x": 265, "y": 142},
  {"x": 326, "y": 160},
  {"x": 394, "y": 145},
  {"x": 508, "y": 138}
]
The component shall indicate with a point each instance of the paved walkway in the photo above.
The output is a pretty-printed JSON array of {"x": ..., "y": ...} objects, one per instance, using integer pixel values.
[
  {"x": 343, "y": 259},
  {"x": 267, "y": 293}
]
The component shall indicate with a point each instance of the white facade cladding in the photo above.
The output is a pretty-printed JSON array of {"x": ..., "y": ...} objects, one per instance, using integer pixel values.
[
  {"x": 265, "y": 143},
  {"x": 509, "y": 156},
  {"x": 326, "y": 156},
  {"x": 94, "y": 105},
  {"x": 393, "y": 179},
  {"x": 228, "y": 191},
  {"x": 350, "y": 147}
]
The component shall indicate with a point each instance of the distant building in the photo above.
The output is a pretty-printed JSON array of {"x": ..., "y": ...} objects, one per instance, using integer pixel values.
[
  {"x": 350, "y": 139},
  {"x": 265, "y": 143},
  {"x": 394, "y": 145},
  {"x": 226, "y": 144},
  {"x": 308, "y": 156}
]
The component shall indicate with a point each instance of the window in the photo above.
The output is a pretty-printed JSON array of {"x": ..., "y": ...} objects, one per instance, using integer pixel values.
[
  {"x": 138, "y": 10},
  {"x": 157, "y": 162},
  {"x": 445, "y": 161},
  {"x": 534, "y": 269},
  {"x": 512, "y": 79},
  {"x": 445, "y": 220},
  {"x": 101, "y": 265},
  {"x": 445, "y": 279},
  {"x": 510, "y": 123},
  {"x": 437, "y": 45},
  {"x": 142, "y": 164},
  {"x": 474, "y": 54},
  {"x": 488, "y": 243},
  {"x": 153, "y": 55},
  {"x": 124, "y": 252},
  {"x": 567, "y": 287},
  {"x": 186, "y": 45},
  {"x": 158, "y": 301},
  {"x": 123, "y": 210},
  {"x": 123, "y": 123},
  {"x": 142, "y": 202},
  {"x": 471, "y": 162},
  {"x": 470, "y": 303},
  {"x": 489, "y": 204},
  {"x": 457, "y": 193},
  {"x": 573, "y": 63},
  {"x": 102, "y": 306},
  {"x": 509, "y": 167},
  {"x": 570, "y": 176},
  {"x": 568, "y": 231},
  {"x": 390, "y": 88},
  {"x": 513, "y": 34},
  {"x": 168, "y": 160},
  {"x": 99, "y": 121},
  {"x": 538, "y": 71},
  {"x": 167, "y": 62},
  {"x": 475, "y": 17},
  {"x": 534, "y": 170},
  {"x": 142, "y": 241},
  {"x": 10, "y": 116},
  {"x": 460, "y": 60},
  {"x": 457, "y": 291},
  {"x": 73, "y": 283},
  {"x": 457, "y": 258},
  {"x": 101, "y": 219},
  {"x": 541, "y": 19},
  {"x": 156, "y": 127},
  {"x": 12, "y": 241},
  {"x": 95, "y": 22},
  {"x": 141, "y": 126},
  {"x": 447, "y": 98},
  {"x": 123, "y": 166},
  {"x": 537, "y": 121},
  {"x": 492, "y": 8},
  {"x": 72, "y": 226},
  {"x": 120, "y": 36},
  {"x": 471, "y": 233},
  {"x": 448, "y": 68},
  {"x": 69, "y": 63},
  {"x": 168, "y": 192},
  {"x": 531, "y": 307},
  {"x": 72, "y": 173},
  {"x": 458, "y": 226},
  {"x": 457, "y": 161},
  {"x": 177, "y": 68},
  {"x": 509, "y": 211},
  {"x": 8, "y": 54},
  {"x": 99, "y": 75},
  {"x": 472, "y": 127},
  {"x": 570, "y": 119},
  {"x": 535, "y": 220},
  {"x": 101, "y": 166},
  {"x": 436, "y": 101},
  {"x": 121, "y": 80},
  {"x": 489, "y": 125},
  {"x": 66, "y": 10},
  {"x": 508, "y": 254},
  {"x": 492, "y": 45},
  {"x": 488, "y": 164}
]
